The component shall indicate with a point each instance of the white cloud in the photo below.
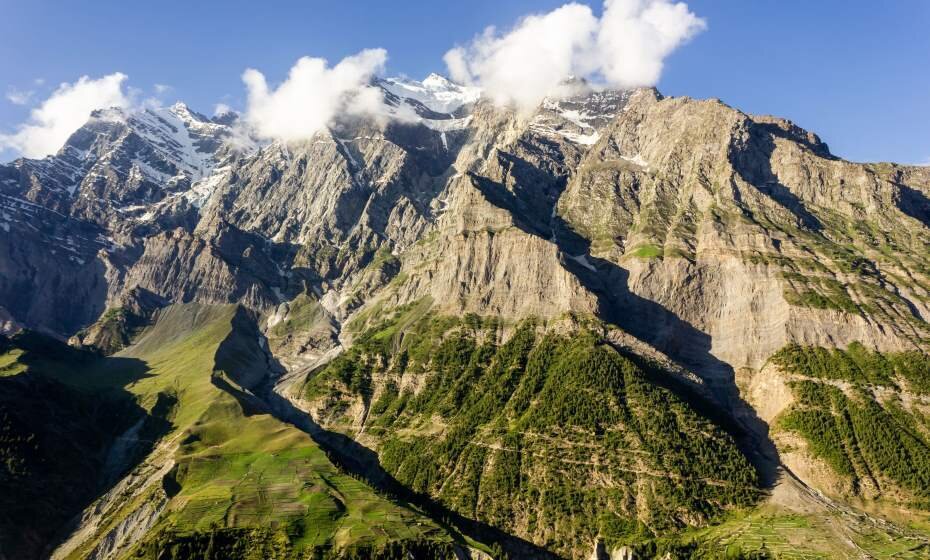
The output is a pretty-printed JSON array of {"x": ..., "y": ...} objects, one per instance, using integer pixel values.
[
  {"x": 162, "y": 89},
  {"x": 18, "y": 96},
  {"x": 531, "y": 60},
  {"x": 636, "y": 36},
  {"x": 66, "y": 110},
  {"x": 221, "y": 109},
  {"x": 625, "y": 47},
  {"x": 313, "y": 95}
]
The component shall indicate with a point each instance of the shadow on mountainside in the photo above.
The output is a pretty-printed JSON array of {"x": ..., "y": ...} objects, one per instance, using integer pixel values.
[
  {"x": 914, "y": 203},
  {"x": 753, "y": 163},
  {"x": 363, "y": 463},
  {"x": 68, "y": 430},
  {"x": 249, "y": 374},
  {"x": 642, "y": 318}
]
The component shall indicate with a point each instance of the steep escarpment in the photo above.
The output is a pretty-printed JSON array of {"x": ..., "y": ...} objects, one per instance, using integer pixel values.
[{"x": 750, "y": 231}]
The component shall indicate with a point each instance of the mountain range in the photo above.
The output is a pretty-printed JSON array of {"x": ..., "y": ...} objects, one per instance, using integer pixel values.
[{"x": 620, "y": 326}]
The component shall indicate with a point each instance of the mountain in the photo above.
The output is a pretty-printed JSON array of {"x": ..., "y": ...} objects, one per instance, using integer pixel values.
[{"x": 620, "y": 326}]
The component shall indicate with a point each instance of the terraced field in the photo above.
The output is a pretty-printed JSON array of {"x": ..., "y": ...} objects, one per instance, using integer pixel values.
[{"x": 821, "y": 536}]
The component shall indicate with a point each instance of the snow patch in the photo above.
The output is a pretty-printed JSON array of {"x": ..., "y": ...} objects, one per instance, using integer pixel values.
[
  {"x": 435, "y": 92},
  {"x": 446, "y": 125},
  {"x": 636, "y": 159}
]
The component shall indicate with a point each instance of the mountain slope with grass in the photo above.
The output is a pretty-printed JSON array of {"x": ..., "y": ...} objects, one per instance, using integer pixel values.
[{"x": 225, "y": 479}]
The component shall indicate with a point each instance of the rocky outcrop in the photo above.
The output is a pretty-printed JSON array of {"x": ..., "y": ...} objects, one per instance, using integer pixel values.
[{"x": 115, "y": 329}]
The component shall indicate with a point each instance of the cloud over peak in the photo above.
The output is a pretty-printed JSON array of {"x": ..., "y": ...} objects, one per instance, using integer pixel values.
[
  {"x": 625, "y": 47},
  {"x": 69, "y": 107},
  {"x": 531, "y": 60},
  {"x": 313, "y": 95}
]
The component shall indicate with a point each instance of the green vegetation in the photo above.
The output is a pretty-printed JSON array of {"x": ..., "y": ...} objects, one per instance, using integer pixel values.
[
  {"x": 250, "y": 484},
  {"x": 647, "y": 252},
  {"x": 858, "y": 365},
  {"x": 383, "y": 258},
  {"x": 768, "y": 532},
  {"x": 243, "y": 485},
  {"x": 558, "y": 437},
  {"x": 305, "y": 312},
  {"x": 10, "y": 362},
  {"x": 820, "y": 292},
  {"x": 113, "y": 331},
  {"x": 270, "y": 544},
  {"x": 857, "y": 435},
  {"x": 53, "y": 440}
]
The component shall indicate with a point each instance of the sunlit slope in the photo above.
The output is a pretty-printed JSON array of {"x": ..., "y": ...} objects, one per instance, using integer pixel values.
[
  {"x": 235, "y": 482},
  {"x": 552, "y": 434}
]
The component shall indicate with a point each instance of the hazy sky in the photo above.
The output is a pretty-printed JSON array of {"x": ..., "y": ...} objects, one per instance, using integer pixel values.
[{"x": 855, "y": 72}]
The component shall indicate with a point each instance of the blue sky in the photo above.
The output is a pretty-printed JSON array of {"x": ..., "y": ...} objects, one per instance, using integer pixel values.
[{"x": 857, "y": 73}]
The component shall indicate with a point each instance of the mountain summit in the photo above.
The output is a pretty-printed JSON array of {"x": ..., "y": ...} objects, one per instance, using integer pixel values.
[{"x": 622, "y": 326}]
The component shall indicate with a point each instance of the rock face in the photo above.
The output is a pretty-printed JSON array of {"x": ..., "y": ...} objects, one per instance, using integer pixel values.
[
  {"x": 749, "y": 231},
  {"x": 709, "y": 237},
  {"x": 732, "y": 234}
]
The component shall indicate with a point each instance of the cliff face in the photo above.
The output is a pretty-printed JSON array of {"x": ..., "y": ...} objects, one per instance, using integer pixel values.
[{"x": 748, "y": 230}]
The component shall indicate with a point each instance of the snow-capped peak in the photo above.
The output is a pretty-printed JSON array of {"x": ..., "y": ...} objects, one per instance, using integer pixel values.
[
  {"x": 191, "y": 119},
  {"x": 436, "y": 82},
  {"x": 435, "y": 92},
  {"x": 182, "y": 111}
]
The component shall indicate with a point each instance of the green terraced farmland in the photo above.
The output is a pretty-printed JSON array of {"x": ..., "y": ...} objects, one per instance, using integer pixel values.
[{"x": 827, "y": 535}]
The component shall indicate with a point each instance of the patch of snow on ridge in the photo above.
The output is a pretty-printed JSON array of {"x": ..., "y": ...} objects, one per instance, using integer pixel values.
[
  {"x": 446, "y": 125},
  {"x": 171, "y": 130},
  {"x": 636, "y": 159},
  {"x": 201, "y": 190},
  {"x": 435, "y": 92},
  {"x": 544, "y": 126},
  {"x": 585, "y": 139}
]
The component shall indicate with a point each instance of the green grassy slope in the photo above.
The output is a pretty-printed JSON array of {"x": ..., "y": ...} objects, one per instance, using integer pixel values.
[
  {"x": 265, "y": 483},
  {"x": 243, "y": 484}
]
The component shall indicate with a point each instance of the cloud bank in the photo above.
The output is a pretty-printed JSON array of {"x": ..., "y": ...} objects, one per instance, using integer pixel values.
[
  {"x": 68, "y": 108},
  {"x": 625, "y": 48},
  {"x": 313, "y": 95}
]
